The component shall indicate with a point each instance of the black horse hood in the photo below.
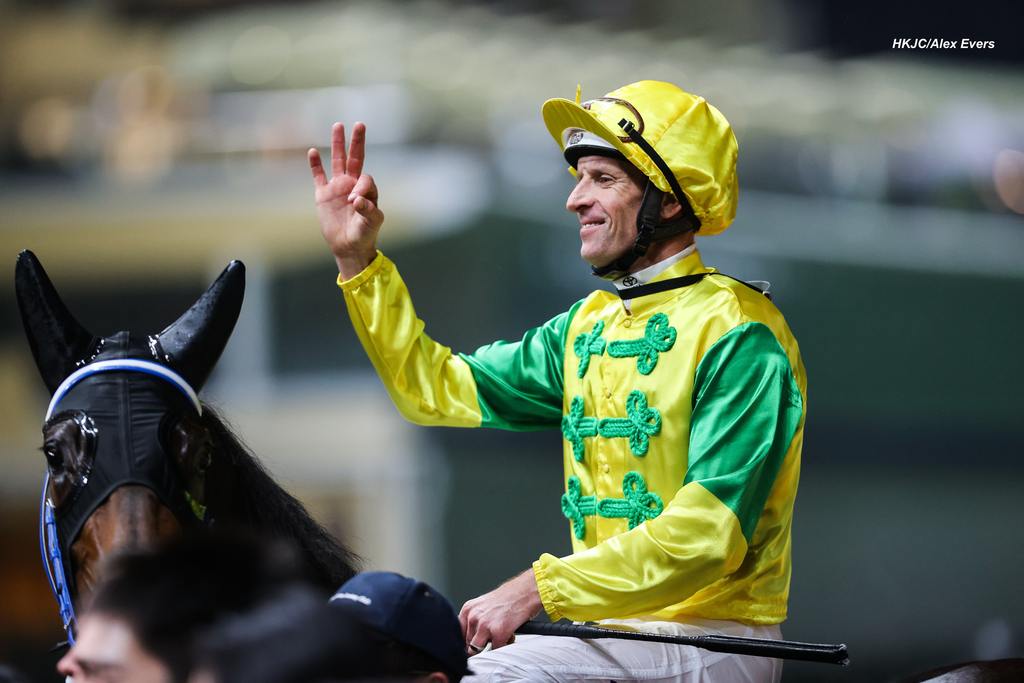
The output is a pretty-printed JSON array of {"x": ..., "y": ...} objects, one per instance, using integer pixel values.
[
  {"x": 126, "y": 413},
  {"x": 126, "y": 406}
]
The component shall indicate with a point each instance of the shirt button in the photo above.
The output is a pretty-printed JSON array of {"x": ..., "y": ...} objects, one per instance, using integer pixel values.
[
  {"x": 607, "y": 393},
  {"x": 606, "y": 468},
  {"x": 628, "y": 322}
]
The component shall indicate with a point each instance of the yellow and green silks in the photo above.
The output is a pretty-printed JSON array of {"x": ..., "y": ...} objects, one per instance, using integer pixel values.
[{"x": 682, "y": 424}]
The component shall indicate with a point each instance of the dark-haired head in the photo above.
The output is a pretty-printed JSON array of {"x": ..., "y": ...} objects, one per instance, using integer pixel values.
[
  {"x": 297, "y": 638},
  {"x": 161, "y": 600}
]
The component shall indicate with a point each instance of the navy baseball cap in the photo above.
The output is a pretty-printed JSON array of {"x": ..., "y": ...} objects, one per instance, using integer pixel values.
[{"x": 409, "y": 611}]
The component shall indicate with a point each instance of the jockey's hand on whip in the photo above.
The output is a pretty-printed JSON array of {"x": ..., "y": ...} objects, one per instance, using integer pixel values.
[
  {"x": 494, "y": 617},
  {"x": 347, "y": 203}
]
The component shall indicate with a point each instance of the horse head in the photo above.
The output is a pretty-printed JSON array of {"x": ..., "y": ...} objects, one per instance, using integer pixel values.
[{"x": 126, "y": 449}]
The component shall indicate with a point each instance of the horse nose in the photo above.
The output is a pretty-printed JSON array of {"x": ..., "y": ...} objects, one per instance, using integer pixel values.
[{"x": 132, "y": 518}]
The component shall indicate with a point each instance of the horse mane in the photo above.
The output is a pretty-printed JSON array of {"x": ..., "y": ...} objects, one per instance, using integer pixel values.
[{"x": 245, "y": 495}]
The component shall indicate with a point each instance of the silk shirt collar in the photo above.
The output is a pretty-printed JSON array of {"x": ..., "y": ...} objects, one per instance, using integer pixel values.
[
  {"x": 648, "y": 274},
  {"x": 685, "y": 262}
]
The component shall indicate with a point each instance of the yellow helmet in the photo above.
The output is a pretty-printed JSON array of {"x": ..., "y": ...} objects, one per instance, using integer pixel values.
[{"x": 682, "y": 143}]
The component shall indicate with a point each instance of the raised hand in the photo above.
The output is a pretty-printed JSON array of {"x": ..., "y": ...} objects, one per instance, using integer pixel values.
[{"x": 347, "y": 203}]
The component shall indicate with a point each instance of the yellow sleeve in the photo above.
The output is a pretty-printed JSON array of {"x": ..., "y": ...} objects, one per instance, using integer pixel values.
[
  {"x": 693, "y": 543},
  {"x": 427, "y": 382}
]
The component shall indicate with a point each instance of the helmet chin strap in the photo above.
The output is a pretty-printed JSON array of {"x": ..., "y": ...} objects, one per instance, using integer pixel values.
[{"x": 649, "y": 228}]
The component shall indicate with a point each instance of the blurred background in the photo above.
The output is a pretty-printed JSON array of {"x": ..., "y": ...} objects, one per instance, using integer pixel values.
[{"x": 144, "y": 143}]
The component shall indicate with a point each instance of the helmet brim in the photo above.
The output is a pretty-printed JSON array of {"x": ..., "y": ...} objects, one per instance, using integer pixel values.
[{"x": 560, "y": 114}]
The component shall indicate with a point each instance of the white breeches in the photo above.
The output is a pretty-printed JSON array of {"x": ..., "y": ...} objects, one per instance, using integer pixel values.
[{"x": 556, "y": 658}]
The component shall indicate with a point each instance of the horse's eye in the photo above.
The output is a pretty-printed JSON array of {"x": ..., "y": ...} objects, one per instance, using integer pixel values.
[{"x": 54, "y": 456}]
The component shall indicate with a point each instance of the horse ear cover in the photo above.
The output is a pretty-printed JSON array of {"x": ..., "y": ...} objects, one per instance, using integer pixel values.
[
  {"x": 194, "y": 342},
  {"x": 60, "y": 344},
  {"x": 58, "y": 341}
]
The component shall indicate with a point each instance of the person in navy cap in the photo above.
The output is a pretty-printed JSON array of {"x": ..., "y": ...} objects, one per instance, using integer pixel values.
[{"x": 420, "y": 632}]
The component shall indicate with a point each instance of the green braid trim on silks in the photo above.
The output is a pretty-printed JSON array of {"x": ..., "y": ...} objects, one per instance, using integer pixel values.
[
  {"x": 639, "y": 425},
  {"x": 576, "y": 507},
  {"x": 638, "y": 506},
  {"x": 658, "y": 337},
  {"x": 575, "y": 427},
  {"x": 588, "y": 344}
]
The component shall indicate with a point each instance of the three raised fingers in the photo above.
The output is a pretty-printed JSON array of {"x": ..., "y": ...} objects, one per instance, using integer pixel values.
[{"x": 342, "y": 162}]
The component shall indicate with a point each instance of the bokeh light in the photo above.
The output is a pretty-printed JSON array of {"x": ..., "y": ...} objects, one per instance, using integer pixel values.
[
  {"x": 1008, "y": 177},
  {"x": 259, "y": 55}
]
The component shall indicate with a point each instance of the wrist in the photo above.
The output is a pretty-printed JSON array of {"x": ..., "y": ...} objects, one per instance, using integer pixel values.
[
  {"x": 351, "y": 265},
  {"x": 531, "y": 593}
]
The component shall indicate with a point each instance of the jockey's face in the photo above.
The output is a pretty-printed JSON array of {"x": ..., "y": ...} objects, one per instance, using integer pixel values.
[
  {"x": 106, "y": 651},
  {"x": 606, "y": 200}
]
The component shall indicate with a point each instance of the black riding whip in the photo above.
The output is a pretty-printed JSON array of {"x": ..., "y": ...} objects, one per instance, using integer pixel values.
[{"x": 759, "y": 647}]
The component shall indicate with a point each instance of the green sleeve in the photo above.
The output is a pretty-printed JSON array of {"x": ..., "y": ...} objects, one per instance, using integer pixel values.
[
  {"x": 519, "y": 384},
  {"x": 746, "y": 409}
]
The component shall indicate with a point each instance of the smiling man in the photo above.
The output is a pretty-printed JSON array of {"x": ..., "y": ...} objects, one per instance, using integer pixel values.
[{"x": 680, "y": 397}]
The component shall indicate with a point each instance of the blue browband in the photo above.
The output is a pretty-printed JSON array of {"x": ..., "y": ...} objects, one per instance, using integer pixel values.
[
  {"x": 49, "y": 543},
  {"x": 129, "y": 365}
]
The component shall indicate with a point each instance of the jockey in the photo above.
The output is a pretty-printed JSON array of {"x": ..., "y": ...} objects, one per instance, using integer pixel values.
[{"x": 680, "y": 397}]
